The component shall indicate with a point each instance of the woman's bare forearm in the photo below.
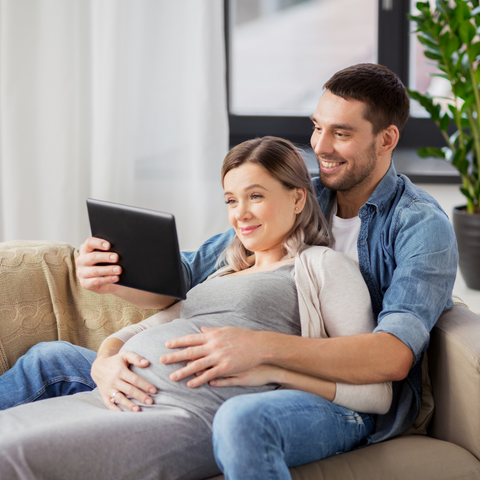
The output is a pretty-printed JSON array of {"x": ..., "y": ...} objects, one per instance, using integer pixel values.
[
  {"x": 306, "y": 383},
  {"x": 110, "y": 347}
]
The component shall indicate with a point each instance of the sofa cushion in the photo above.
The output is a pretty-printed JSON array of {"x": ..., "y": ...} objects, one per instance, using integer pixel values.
[
  {"x": 413, "y": 457},
  {"x": 454, "y": 358}
]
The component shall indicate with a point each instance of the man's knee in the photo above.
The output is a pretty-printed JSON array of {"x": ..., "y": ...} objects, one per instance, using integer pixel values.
[
  {"x": 246, "y": 435},
  {"x": 243, "y": 418}
]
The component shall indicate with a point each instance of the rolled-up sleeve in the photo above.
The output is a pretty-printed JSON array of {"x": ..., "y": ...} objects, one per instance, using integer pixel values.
[{"x": 424, "y": 249}]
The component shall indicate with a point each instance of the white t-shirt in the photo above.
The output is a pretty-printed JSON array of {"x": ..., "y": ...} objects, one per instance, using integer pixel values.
[{"x": 345, "y": 233}]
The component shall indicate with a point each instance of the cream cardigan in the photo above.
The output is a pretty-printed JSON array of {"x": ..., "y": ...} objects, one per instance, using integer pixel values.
[{"x": 334, "y": 301}]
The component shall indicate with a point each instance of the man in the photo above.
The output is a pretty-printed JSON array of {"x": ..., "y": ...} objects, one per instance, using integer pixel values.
[{"x": 406, "y": 250}]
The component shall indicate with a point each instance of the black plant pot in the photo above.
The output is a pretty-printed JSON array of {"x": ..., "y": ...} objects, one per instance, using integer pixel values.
[{"x": 467, "y": 230}]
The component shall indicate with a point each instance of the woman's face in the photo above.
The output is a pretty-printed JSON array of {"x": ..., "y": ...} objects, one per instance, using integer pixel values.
[{"x": 260, "y": 209}]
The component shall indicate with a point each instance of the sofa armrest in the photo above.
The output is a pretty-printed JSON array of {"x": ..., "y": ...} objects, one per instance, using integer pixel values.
[
  {"x": 454, "y": 364},
  {"x": 41, "y": 299}
]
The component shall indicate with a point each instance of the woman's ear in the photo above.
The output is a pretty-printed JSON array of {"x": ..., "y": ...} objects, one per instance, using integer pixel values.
[{"x": 300, "y": 198}]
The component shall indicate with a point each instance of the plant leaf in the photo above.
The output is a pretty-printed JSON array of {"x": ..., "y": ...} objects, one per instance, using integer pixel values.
[
  {"x": 445, "y": 122},
  {"x": 462, "y": 11},
  {"x": 441, "y": 75},
  {"x": 432, "y": 55},
  {"x": 466, "y": 193},
  {"x": 427, "y": 103},
  {"x": 430, "y": 44},
  {"x": 459, "y": 161},
  {"x": 431, "y": 152},
  {"x": 467, "y": 31},
  {"x": 473, "y": 51}
]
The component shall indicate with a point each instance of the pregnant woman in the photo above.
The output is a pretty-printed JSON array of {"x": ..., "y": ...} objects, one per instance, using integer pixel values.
[{"x": 278, "y": 274}]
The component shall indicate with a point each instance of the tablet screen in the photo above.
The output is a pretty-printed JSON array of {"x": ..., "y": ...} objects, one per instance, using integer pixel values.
[{"x": 146, "y": 243}]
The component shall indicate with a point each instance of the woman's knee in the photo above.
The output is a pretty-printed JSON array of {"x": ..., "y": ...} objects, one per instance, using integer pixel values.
[
  {"x": 58, "y": 354},
  {"x": 48, "y": 351}
]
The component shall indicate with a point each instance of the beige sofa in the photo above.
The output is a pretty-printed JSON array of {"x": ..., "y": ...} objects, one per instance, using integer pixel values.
[{"x": 41, "y": 300}]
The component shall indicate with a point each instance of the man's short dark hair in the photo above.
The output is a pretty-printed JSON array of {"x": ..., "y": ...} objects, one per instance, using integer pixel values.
[{"x": 385, "y": 96}]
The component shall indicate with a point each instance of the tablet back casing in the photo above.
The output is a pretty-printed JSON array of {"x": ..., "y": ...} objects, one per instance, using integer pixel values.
[{"x": 146, "y": 243}]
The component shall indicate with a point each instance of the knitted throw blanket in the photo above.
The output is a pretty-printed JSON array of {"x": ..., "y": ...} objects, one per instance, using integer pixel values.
[{"x": 42, "y": 300}]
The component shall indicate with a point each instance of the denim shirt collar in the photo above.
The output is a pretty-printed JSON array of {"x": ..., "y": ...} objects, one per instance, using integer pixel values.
[{"x": 386, "y": 189}]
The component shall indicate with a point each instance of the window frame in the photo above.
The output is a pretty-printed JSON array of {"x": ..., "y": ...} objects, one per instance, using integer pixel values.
[{"x": 393, "y": 52}]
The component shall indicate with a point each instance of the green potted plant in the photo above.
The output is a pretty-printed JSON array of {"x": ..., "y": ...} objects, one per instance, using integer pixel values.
[{"x": 449, "y": 31}]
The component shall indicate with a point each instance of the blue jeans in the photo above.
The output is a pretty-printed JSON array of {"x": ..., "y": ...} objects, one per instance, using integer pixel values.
[
  {"x": 49, "y": 369},
  {"x": 258, "y": 436}
]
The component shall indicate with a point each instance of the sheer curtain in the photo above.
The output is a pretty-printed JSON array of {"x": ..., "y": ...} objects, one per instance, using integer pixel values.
[{"x": 121, "y": 100}]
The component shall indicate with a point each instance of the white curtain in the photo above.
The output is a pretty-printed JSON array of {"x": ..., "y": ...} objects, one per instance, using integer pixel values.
[{"x": 121, "y": 100}]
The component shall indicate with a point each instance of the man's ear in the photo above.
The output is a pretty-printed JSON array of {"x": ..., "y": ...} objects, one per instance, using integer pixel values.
[{"x": 389, "y": 138}]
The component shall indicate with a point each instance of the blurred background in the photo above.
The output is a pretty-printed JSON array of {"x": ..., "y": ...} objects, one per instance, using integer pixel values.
[
  {"x": 120, "y": 100},
  {"x": 138, "y": 101}
]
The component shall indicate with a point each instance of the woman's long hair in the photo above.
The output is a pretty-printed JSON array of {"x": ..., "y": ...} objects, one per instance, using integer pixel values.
[{"x": 284, "y": 162}]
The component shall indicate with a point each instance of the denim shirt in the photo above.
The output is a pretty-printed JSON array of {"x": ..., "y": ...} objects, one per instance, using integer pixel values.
[{"x": 408, "y": 257}]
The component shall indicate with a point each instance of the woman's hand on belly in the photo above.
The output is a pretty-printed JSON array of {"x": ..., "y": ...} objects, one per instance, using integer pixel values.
[{"x": 111, "y": 373}]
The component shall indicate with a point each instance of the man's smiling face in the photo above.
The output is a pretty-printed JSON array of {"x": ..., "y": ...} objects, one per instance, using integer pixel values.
[{"x": 344, "y": 144}]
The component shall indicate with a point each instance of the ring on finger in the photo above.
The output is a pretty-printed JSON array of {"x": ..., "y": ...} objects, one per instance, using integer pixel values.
[{"x": 113, "y": 398}]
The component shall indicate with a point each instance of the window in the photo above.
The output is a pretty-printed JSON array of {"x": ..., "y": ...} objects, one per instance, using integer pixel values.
[{"x": 281, "y": 52}]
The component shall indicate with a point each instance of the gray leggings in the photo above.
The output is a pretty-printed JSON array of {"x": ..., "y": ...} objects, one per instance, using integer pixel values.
[{"x": 76, "y": 437}]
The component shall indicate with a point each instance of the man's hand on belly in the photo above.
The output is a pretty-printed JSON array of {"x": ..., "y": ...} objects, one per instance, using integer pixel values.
[{"x": 215, "y": 353}]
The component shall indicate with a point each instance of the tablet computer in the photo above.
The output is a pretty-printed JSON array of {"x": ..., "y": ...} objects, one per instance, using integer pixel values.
[{"x": 146, "y": 243}]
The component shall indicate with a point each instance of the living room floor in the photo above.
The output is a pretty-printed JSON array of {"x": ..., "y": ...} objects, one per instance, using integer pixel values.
[{"x": 449, "y": 196}]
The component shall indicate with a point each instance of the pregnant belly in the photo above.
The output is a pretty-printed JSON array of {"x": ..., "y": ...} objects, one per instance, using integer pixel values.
[
  {"x": 150, "y": 344},
  {"x": 204, "y": 400}
]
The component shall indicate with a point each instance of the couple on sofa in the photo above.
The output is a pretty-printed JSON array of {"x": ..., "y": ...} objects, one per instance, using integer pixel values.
[{"x": 302, "y": 320}]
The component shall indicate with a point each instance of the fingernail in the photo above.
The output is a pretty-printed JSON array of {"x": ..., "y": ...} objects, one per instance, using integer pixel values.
[
  {"x": 213, "y": 383},
  {"x": 152, "y": 390},
  {"x": 143, "y": 361},
  {"x": 168, "y": 343},
  {"x": 173, "y": 376},
  {"x": 148, "y": 401},
  {"x": 105, "y": 245},
  {"x": 112, "y": 257},
  {"x": 136, "y": 408}
]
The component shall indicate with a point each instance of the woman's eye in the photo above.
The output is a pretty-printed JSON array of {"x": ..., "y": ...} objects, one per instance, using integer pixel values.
[
  {"x": 230, "y": 201},
  {"x": 256, "y": 196}
]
